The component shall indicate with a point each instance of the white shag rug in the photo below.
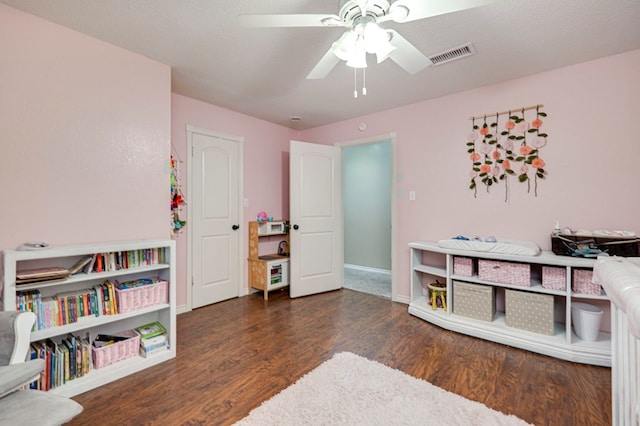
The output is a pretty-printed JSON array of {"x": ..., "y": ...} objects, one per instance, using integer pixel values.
[{"x": 351, "y": 390}]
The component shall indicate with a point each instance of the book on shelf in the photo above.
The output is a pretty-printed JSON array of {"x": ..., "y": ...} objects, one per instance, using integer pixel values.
[
  {"x": 77, "y": 267},
  {"x": 150, "y": 330},
  {"x": 43, "y": 275}
]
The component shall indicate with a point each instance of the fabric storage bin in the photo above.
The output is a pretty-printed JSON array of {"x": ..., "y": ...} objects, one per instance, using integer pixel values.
[
  {"x": 151, "y": 292},
  {"x": 582, "y": 282},
  {"x": 117, "y": 351},
  {"x": 463, "y": 266},
  {"x": 554, "y": 278},
  {"x": 505, "y": 272},
  {"x": 474, "y": 301},
  {"x": 529, "y": 311}
]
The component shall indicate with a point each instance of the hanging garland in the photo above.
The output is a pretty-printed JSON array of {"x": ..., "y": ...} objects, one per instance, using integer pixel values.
[
  {"x": 493, "y": 152},
  {"x": 177, "y": 199}
]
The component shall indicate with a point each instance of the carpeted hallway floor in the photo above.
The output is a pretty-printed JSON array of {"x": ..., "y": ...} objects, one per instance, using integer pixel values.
[{"x": 366, "y": 280}]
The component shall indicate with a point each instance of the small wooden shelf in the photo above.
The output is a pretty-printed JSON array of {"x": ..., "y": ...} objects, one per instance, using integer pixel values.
[{"x": 268, "y": 271}]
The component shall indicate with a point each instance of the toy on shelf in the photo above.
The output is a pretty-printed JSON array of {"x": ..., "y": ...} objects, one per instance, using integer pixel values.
[
  {"x": 263, "y": 217},
  {"x": 438, "y": 293}
]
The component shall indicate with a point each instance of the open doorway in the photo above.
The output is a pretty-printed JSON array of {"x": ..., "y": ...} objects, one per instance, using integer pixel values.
[{"x": 367, "y": 201}]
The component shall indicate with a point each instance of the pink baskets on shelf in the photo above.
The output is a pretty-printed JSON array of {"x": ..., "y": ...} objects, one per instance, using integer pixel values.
[
  {"x": 582, "y": 282},
  {"x": 138, "y": 297},
  {"x": 463, "y": 266},
  {"x": 505, "y": 272},
  {"x": 554, "y": 278},
  {"x": 117, "y": 351}
]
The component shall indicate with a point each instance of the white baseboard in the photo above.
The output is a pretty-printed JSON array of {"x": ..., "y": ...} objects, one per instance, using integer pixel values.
[{"x": 367, "y": 269}]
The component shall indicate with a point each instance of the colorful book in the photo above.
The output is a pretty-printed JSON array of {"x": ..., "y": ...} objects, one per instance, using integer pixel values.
[{"x": 150, "y": 330}]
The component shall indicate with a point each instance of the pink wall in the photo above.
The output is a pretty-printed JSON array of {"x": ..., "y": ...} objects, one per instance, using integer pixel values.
[
  {"x": 84, "y": 137},
  {"x": 592, "y": 148},
  {"x": 266, "y": 164}
]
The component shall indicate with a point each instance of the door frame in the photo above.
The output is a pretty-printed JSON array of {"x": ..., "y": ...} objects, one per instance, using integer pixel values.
[
  {"x": 394, "y": 255},
  {"x": 242, "y": 235}
]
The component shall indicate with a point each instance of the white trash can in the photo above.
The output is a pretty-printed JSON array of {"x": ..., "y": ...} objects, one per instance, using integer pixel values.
[{"x": 586, "y": 320}]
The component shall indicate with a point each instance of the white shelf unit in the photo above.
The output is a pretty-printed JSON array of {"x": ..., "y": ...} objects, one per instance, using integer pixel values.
[
  {"x": 428, "y": 261},
  {"x": 66, "y": 256}
]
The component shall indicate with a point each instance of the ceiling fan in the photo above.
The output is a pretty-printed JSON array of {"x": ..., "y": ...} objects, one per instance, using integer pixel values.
[{"x": 364, "y": 34}]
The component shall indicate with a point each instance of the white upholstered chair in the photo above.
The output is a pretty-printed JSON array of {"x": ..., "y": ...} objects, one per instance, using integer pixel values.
[{"x": 19, "y": 406}]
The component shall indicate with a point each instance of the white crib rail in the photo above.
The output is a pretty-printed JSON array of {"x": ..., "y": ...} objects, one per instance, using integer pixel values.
[
  {"x": 624, "y": 370},
  {"x": 621, "y": 280}
]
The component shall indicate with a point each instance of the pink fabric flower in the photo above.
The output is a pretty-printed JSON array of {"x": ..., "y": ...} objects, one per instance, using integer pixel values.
[
  {"x": 496, "y": 170},
  {"x": 509, "y": 125},
  {"x": 495, "y": 154},
  {"x": 537, "y": 163},
  {"x": 473, "y": 175},
  {"x": 522, "y": 126},
  {"x": 536, "y": 123},
  {"x": 474, "y": 157},
  {"x": 485, "y": 168},
  {"x": 506, "y": 164},
  {"x": 525, "y": 150},
  {"x": 485, "y": 148},
  {"x": 484, "y": 131},
  {"x": 539, "y": 142},
  {"x": 524, "y": 169}
]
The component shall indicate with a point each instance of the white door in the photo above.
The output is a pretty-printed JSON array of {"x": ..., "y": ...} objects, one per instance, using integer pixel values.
[
  {"x": 214, "y": 190},
  {"x": 315, "y": 236}
]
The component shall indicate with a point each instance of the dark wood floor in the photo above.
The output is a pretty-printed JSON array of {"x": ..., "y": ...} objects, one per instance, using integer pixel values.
[{"x": 238, "y": 353}]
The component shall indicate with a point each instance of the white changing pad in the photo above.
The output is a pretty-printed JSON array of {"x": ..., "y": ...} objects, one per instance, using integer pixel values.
[{"x": 519, "y": 248}]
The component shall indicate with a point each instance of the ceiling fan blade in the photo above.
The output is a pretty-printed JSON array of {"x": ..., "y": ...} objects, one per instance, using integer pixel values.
[
  {"x": 295, "y": 20},
  {"x": 420, "y": 9},
  {"x": 406, "y": 54},
  {"x": 324, "y": 66}
]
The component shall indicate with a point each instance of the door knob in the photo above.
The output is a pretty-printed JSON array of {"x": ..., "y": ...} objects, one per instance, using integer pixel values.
[
  {"x": 296, "y": 227},
  {"x": 235, "y": 227}
]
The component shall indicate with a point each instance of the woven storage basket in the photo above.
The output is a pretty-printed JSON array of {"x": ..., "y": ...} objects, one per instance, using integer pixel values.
[
  {"x": 505, "y": 272},
  {"x": 132, "y": 299},
  {"x": 554, "y": 278},
  {"x": 463, "y": 266},
  {"x": 118, "y": 351},
  {"x": 582, "y": 282}
]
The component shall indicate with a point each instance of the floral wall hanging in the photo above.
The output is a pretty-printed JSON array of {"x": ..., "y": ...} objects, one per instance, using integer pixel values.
[{"x": 500, "y": 149}]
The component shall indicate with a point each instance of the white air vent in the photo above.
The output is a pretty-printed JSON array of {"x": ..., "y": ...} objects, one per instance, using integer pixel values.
[{"x": 453, "y": 54}]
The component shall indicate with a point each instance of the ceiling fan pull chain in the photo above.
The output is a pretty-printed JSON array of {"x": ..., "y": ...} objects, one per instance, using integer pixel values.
[
  {"x": 364, "y": 81},
  {"x": 355, "y": 83}
]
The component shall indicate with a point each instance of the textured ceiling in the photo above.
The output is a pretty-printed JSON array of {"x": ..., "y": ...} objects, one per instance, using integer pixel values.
[{"x": 261, "y": 71}]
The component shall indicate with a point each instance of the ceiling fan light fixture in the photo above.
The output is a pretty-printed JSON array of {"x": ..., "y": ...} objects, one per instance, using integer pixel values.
[
  {"x": 344, "y": 47},
  {"x": 358, "y": 59},
  {"x": 374, "y": 37}
]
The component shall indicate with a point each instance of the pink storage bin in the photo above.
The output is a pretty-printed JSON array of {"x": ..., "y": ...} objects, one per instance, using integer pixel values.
[
  {"x": 463, "y": 266},
  {"x": 554, "y": 278},
  {"x": 118, "y": 351},
  {"x": 141, "y": 297},
  {"x": 582, "y": 282},
  {"x": 505, "y": 272}
]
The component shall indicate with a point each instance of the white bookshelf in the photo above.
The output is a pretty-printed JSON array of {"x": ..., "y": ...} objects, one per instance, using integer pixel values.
[
  {"x": 66, "y": 256},
  {"x": 427, "y": 259}
]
